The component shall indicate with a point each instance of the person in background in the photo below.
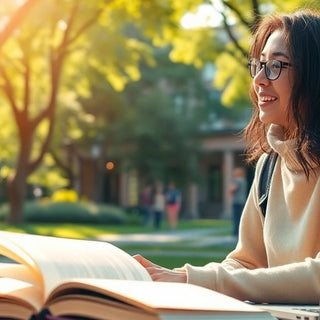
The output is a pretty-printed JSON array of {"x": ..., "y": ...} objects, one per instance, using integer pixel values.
[
  {"x": 277, "y": 257},
  {"x": 173, "y": 204},
  {"x": 238, "y": 191},
  {"x": 146, "y": 203},
  {"x": 159, "y": 206}
]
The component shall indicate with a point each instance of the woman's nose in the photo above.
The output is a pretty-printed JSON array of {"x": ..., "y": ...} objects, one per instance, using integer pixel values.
[{"x": 260, "y": 78}]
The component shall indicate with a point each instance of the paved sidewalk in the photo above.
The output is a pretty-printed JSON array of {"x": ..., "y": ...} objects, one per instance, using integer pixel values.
[{"x": 193, "y": 239}]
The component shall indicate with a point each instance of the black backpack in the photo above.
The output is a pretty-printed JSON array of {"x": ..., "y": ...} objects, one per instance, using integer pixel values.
[{"x": 265, "y": 179}]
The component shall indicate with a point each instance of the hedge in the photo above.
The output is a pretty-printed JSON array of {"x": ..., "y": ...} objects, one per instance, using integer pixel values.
[{"x": 69, "y": 212}]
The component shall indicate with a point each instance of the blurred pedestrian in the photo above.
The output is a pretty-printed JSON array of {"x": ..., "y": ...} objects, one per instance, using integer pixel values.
[
  {"x": 159, "y": 206},
  {"x": 238, "y": 191},
  {"x": 145, "y": 204},
  {"x": 173, "y": 203}
]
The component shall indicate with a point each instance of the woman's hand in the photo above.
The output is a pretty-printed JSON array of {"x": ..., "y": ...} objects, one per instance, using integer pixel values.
[{"x": 159, "y": 273}]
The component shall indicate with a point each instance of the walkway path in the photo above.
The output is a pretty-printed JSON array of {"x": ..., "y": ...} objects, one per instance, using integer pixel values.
[
  {"x": 196, "y": 238},
  {"x": 192, "y": 239}
]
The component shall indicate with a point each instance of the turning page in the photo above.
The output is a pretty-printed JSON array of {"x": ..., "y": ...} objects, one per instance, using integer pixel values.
[{"x": 58, "y": 259}]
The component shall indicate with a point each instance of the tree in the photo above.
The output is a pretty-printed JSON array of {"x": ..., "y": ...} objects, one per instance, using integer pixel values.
[
  {"x": 50, "y": 36},
  {"x": 25, "y": 63},
  {"x": 132, "y": 126},
  {"x": 167, "y": 107},
  {"x": 54, "y": 46}
]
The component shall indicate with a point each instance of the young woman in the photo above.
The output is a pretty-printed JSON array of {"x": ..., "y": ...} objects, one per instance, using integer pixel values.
[{"x": 277, "y": 258}]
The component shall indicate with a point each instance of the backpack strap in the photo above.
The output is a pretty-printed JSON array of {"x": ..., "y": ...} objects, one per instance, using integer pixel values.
[{"x": 265, "y": 180}]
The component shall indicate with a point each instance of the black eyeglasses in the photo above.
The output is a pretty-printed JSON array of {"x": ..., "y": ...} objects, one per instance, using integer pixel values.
[{"x": 272, "y": 68}]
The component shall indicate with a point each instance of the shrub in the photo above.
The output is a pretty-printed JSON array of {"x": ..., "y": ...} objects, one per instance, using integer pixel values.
[
  {"x": 65, "y": 195},
  {"x": 68, "y": 212}
]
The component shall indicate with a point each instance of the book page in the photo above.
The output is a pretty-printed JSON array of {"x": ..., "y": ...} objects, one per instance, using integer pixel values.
[
  {"x": 17, "y": 291},
  {"x": 60, "y": 259},
  {"x": 19, "y": 272},
  {"x": 161, "y": 296},
  {"x": 84, "y": 308}
]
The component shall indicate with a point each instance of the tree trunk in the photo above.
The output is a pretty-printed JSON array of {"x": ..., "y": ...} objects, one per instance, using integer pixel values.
[
  {"x": 17, "y": 183},
  {"x": 17, "y": 190}
]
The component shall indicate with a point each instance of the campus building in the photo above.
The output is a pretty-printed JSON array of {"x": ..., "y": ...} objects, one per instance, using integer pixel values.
[{"x": 221, "y": 151}]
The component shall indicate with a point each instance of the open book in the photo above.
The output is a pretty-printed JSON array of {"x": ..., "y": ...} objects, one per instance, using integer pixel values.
[{"x": 96, "y": 280}]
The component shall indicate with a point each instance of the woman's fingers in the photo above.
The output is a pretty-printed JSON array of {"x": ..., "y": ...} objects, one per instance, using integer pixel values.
[
  {"x": 151, "y": 267},
  {"x": 159, "y": 273},
  {"x": 143, "y": 261},
  {"x": 166, "y": 275}
]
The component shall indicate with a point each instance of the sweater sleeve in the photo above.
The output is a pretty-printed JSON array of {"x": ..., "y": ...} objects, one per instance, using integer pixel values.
[
  {"x": 292, "y": 283},
  {"x": 245, "y": 273}
]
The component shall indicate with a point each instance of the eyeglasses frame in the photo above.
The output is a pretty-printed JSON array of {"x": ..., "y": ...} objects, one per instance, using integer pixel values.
[{"x": 264, "y": 63}]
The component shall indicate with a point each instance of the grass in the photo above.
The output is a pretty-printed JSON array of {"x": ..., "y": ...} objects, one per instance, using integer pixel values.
[
  {"x": 170, "y": 256},
  {"x": 176, "y": 262},
  {"x": 90, "y": 231},
  {"x": 178, "y": 256},
  {"x": 176, "y": 248}
]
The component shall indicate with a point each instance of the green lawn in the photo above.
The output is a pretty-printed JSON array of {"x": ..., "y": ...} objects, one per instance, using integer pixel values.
[{"x": 89, "y": 231}]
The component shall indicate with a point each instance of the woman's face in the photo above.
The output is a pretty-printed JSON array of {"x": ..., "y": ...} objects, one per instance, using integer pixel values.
[{"x": 274, "y": 96}]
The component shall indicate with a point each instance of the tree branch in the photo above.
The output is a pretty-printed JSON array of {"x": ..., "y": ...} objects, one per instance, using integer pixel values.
[
  {"x": 9, "y": 92},
  {"x": 73, "y": 13},
  {"x": 232, "y": 37},
  {"x": 15, "y": 20},
  {"x": 33, "y": 165},
  {"x": 237, "y": 12},
  {"x": 57, "y": 58},
  {"x": 66, "y": 167},
  {"x": 85, "y": 26},
  {"x": 27, "y": 88},
  {"x": 256, "y": 15}
]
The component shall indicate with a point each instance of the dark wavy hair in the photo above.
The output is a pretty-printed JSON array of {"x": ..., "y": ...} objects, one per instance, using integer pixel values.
[{"x": 301, "y": 31}]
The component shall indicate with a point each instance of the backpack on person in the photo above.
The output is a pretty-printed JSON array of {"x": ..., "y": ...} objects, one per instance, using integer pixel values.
[
  {"x": 172, "y": 197},
  {"x": 265, "y": 180}
]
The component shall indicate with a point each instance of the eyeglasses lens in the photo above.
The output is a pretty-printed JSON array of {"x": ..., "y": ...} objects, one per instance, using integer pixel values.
[
  {"x": 254, "y": 66},
  {"x": 272, "y": 68}
]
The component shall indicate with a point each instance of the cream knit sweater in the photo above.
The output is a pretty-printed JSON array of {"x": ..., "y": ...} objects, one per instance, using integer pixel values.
[{"x": 277, "y": 259}]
